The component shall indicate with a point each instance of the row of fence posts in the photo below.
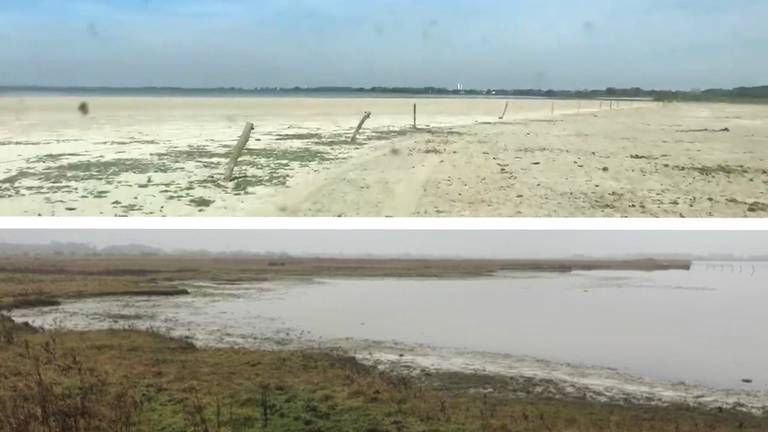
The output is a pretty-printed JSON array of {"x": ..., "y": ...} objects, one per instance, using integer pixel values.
[
  {"x": 722, "y": 266},
  {"x": 248, "y": 130}
]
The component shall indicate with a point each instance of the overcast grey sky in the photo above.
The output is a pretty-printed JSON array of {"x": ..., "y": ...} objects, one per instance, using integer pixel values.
[
  {"x": 680, "y": 44},
  {"x": 471, "y": 244}
]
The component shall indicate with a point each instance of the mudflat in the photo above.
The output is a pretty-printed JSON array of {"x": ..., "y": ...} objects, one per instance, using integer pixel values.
[{"x": 148, "y": 156}]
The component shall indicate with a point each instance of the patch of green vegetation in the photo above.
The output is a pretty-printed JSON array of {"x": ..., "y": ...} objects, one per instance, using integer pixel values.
[
  {"x": 79, "y": 171},
  {"x": 131, "y": 207},
  {"x": 648, "y": 157},
  {"x": 111, "y": 167},
  {"x": 130, "y": 141},
  {"x": 711, "y": 170},
  {"x": 333, "y": 142},
  {"x": 201, "y": 202},
  {"x": 375, "y": 135},
  {"x": 303, "y": 155},
  {"x": 273, "y": 178},
  {"x": 51, "y": 158},
  {"x": 304, "y": 136},
  {"x": 433, "y": 150},
  {"x": 259, "y": 158},
  {"x": 99, "y": 194},
  {"x": 12, "y": 179},
  {"x": 194, "y": 153},
  {"x": 704, "y": 130}
]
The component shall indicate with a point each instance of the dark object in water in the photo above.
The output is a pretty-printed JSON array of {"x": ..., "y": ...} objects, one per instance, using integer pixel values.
[
  {"x": 84, "y": 108},
  {"x": 747, "y": 381}
]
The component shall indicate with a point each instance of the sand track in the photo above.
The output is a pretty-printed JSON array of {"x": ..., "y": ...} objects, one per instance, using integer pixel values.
[{"x": 378, "y": 184}]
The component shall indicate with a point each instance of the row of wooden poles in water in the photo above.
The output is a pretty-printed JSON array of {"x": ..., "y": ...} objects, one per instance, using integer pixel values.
[
  {"x": 248, "y": 129},
  {"x": 752, "y": 269}
]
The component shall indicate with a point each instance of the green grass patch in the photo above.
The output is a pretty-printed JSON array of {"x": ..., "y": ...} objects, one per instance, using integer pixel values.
[
  {"x": 143, "y": 381},
  {"x": 201, "y": 202},
  {"x": 720, "y": 169}
]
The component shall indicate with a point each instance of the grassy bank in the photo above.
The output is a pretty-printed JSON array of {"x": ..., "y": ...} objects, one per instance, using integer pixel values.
[
  {"x": 139, "y": 381},
  {"x": 30, "y": 282}
]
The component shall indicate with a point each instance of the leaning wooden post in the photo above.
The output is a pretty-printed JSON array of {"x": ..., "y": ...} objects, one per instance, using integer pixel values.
[
  {"x": 506, "y": 106},
  {"x": 238, "y": 150},
  {"x": 552, "y": 109},
  {"x": 414, "y": 116},
  {"x": 366, "y": 116}
]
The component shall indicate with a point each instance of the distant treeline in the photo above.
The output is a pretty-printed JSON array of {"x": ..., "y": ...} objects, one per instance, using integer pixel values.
[
  {"x": 739, "y": 94},
  {"x": 610, "y": 92}
]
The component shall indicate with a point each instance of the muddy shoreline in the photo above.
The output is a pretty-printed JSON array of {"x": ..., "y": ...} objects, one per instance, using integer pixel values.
[
  {"x": 504, "y": 374},
  {"x": 173, "y": 375}
]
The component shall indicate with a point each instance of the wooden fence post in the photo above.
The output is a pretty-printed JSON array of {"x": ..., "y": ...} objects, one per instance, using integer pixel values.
[
  {"x": 366, "y": 116},
  {"x": 238, "y": 150},
  {"x": 414, "y": 116},
  {"x": 506, "y": 106}
]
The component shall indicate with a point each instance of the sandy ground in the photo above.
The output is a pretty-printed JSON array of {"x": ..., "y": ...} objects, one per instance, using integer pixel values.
[{"x": 166, "y": 157}]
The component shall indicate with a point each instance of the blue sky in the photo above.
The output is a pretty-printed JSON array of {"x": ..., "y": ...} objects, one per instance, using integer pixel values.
[{"x": 679, "y": 44}]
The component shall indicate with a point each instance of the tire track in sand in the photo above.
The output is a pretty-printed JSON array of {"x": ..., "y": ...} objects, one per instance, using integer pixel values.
[{"x": 388, "y": 182}]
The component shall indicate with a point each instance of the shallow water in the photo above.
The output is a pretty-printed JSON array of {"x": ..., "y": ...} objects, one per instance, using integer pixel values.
[{"x": 704, "y": 328}]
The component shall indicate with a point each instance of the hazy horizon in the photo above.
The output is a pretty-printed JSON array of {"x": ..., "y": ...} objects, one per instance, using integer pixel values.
[
  {"x": 458, "y": 244},
  {"x": 354, "y": 88},
  {"x": 511, "y": 44}
]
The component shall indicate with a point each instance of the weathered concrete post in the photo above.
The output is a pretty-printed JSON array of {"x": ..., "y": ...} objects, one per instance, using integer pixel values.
[
  {"x": 365, "y": 118},
  {"x": 506, "y": 106},
  {"x": 238, "y": 150}
]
